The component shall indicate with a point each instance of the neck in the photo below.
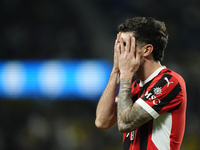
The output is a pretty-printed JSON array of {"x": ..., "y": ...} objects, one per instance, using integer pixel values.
[{"x": 147, "y": 68}]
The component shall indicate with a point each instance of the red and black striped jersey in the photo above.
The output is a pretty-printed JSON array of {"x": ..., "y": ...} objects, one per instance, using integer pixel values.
[{"x": 163, "y": 96}]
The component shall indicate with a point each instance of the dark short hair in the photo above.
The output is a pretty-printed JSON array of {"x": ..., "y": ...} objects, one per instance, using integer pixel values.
[{"x": 148, "y": 30}]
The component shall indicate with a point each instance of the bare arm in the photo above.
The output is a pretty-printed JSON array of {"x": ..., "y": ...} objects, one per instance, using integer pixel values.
[
  {"x": 106, "y": 113},
  {"x": 130, "y": 115}
]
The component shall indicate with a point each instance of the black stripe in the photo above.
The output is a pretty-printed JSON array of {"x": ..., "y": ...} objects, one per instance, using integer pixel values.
[
  {"x": 127, "y": 143},
  {"x": 160, "y": 83},
  {"x": 136, "y": 83},
  {"x": 177, "y": 107},
  {"x": 167, "y": 99},
  {"x": 144, "y": 88},
  {"x": 167, "y": 71},
  {"x": 135, "y": 97},
  {"x": 134, "y": 78},
  {"x": 144, "y": 136}
]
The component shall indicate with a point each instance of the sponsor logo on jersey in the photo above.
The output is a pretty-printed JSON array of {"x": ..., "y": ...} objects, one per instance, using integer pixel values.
[
  {"x": 167, "y": 80},
  {"x": 152, "y": 97}
]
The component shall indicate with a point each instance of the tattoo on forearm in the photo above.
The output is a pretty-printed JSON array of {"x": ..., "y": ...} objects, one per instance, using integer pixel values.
[
  {"x": 125, "y": 102},
  {"x": 127, "y": 116},
  {"x": 125, "y": 89}
]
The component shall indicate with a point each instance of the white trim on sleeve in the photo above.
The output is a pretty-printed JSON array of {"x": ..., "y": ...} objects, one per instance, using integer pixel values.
[
  {"x": 149, "y": 109},
  {"x": 116, "y": 99}
]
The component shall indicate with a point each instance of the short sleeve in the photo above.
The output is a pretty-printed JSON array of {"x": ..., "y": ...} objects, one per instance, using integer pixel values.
[{"x": 164, "y": 95}]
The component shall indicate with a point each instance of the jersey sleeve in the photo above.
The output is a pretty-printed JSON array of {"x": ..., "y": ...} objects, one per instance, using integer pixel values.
[{"x": 164, "y": 95}]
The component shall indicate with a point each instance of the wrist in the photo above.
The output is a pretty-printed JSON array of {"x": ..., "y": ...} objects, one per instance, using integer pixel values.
[
  {"x": 114, "y": 75},
  {"x": 115, "y": 71},
  {"x": 126, "y": 75}
]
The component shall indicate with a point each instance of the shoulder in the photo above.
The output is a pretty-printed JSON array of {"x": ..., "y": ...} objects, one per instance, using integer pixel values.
[
  {"x": 166, "y": 83},
  {"x": 172, "y": 81},
  {"x": 173, "y": 75}
]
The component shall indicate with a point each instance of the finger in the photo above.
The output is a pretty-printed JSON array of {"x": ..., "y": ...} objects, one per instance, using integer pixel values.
[
  {"x": 118, "y": 35},
  {"x": 118, "y": 50},
  {"x": 128, "y": 43},
  {"x": 133, "y": 49},
  {"x": 122, "y": 45},
  {"x": 117, "y": 39}
]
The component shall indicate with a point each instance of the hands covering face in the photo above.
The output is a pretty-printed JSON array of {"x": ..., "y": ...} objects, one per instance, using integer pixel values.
[{"x": 126, "y": 58}]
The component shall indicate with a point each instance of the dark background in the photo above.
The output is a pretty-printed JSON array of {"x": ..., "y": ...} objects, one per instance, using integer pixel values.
[{"x": 86, "y": 29}]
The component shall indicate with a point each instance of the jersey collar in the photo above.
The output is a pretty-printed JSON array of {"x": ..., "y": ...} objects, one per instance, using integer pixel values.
[{"x": 155, "y": 73}]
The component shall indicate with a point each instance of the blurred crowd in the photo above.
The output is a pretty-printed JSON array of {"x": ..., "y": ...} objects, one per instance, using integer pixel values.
[
  {"x": 77, "y": 29},
  {"x": 58, "y": 125}
]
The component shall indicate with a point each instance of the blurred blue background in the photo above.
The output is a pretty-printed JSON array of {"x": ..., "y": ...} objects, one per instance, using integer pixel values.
[
  {"x": 55, "y": 61},
  {"x": 54, "y": 79}
]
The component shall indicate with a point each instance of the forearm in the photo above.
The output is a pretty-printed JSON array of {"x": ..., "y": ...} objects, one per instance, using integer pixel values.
[
  {"x": 106, "y": 113},
  {"x": 130, "y": 114},
  {"x": 124, "y": 104}
]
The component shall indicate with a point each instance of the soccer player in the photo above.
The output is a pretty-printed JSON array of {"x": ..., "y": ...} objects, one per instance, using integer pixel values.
[{"x": 150, "y": 107}]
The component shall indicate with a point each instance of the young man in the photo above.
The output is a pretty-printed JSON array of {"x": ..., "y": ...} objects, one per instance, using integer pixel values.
[{"x": 151, "y": 104}]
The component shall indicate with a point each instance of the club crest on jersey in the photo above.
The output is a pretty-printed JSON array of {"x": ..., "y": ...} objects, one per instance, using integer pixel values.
[{"x": 157, "y": 90}]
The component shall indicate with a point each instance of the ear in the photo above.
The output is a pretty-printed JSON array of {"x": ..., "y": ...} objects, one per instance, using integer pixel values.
[{"x": 148, "y": 49}]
